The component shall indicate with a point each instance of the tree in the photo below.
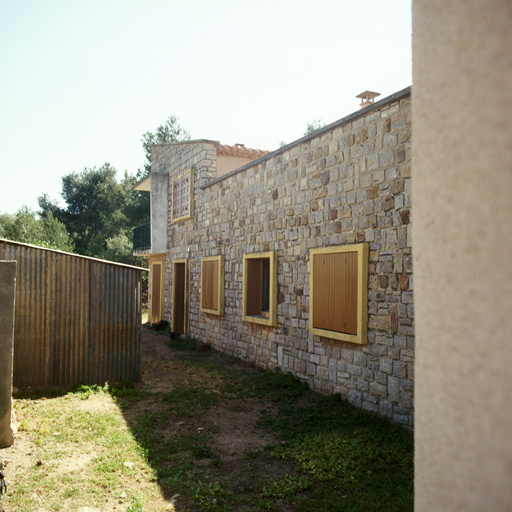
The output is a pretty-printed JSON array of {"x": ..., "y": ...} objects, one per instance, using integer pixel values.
[
  {"x": 170, "y": 131},
  {"x": 25, "y": 227},
  {"x": 313, "y": 126},
  {"x": 95, "y": 208},
  {"x": 119, "y": 248},
  {"x": 100, "y": 212},
  {"x": 137, "y": 205},
  {"x": 47, "y": 205}
]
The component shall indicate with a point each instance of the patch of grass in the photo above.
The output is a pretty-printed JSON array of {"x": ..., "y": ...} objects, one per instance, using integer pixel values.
[
  {"x": 62, "y": 430},
  {"x": 189, "y": 400},
  {"x": 345, "y": 458},
  {"x": 275, "y": 386},
  {"x": 327, "y": 455},
  {"x": 212, "y": 496},
  {"x": 136, "y": 506},
  {"x": 337, "y": 444},
  {"x": 184, "y": 344},
  {"x": 287, "y": 487},
  {"x": 83, "y": 390},
  {"x": 39, "y": 393},
  {"x": 202, "y": 451}
]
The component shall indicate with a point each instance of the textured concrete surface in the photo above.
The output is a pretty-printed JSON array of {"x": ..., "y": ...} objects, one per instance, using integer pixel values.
[
  {"x": 7, "y": 294},
  {"x": 462, "y": 238}
]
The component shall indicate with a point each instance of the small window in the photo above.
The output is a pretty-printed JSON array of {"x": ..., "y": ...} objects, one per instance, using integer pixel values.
[
  {"x": 212, "y": 285},
  {"x": 338, "y": 303},
  {"x": 260, "y": 288},
  {"x": 182, "y": 196}
]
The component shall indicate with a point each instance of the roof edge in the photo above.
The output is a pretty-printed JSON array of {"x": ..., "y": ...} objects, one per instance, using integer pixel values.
[
  {"x": 195, "y": 141},
  {"x": 21, "y": 244},
  {"x": 393, "y": 97},
  {"x": 140, "y": 182}
]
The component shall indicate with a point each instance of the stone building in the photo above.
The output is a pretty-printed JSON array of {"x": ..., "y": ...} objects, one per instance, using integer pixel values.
[{"x": 300, "y": 258}]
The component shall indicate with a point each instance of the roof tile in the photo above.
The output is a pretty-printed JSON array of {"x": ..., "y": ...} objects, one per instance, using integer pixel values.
[{"x": 239, "y": 150}]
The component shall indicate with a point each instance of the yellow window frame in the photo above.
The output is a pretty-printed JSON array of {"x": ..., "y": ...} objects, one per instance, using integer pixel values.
[{"x": 361, "y": 337}]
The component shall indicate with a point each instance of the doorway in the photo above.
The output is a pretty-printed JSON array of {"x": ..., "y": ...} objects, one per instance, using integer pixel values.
[
  {"x": 180, "y": 296},
  {"x": 157, "y": 273}
]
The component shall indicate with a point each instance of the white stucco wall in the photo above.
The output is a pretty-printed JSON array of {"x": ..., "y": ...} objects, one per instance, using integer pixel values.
[
  {"x": 227, "y": 164},
  {"x": 462, "y": 239},
  {"x": 159, "y": 209}
]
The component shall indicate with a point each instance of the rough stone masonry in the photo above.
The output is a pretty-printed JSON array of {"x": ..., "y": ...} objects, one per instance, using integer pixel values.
[{"x": 348, "y": 183}]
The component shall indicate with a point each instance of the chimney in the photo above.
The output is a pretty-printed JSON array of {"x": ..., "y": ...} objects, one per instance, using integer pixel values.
[{"x": 367, "y": 98}]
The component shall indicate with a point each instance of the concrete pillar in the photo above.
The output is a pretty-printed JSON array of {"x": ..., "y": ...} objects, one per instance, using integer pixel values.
[
  {"x": 462, "y": 238},
  {"x": 7, "y": 294}
]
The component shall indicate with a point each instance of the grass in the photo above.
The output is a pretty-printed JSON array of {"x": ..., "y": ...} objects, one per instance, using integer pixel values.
[{"x": 326, "y": 454}]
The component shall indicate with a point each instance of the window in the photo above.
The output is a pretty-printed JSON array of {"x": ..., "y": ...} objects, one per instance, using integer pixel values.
[
  {"x": 212, "y": 285},
  {"x": 338, "y": 302},
  {"x": 260, "y": 288},
  {"x": 182, "y": 194}
]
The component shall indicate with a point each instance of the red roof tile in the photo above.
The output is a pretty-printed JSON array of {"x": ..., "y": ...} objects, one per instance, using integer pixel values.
[{"x": 240, "y": 151}]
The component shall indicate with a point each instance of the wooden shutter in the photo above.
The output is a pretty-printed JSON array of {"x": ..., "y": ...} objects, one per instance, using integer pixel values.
[
  {"x": 335, "y": 292},
  {"x": 210, "y": 285},
  {"x": 156, "y": 291},
  {"x": 215, "y": 284}
]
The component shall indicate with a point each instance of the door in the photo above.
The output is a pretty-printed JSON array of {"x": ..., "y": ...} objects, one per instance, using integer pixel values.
[
  {"x": 157, "y": 291},
  {"x": 180, "y": 296}
]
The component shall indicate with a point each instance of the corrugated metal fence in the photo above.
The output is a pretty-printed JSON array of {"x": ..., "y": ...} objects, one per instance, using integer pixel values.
[{"x": 76, "y": 318}]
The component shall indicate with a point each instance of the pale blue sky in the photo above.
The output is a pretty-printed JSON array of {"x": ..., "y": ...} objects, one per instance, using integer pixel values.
[{"x": 82, "y": 80}]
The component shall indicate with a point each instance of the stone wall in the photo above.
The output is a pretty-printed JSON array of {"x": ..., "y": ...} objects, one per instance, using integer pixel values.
[{"x": 348, "y": 183}]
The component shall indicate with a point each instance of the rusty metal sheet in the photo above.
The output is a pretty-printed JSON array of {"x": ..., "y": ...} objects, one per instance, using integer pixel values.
[{"x": 76, "y": 319}]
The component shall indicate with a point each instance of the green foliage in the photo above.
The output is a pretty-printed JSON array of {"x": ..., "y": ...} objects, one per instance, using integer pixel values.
[
  {"x": 100, "y": 213},
  {"x": 276, "y": 386},
  {"x": 329, "y": 456},
  {"x": 189, "y": 400},
  {"x": 313, "y": 126},
  {"x": 26, "y": 227},
  {"x": 170, "y": 131},
  {"x": 287, "y": 487},
  {"x": 84, "y": 391},
  {"x": 212, "y": 496},
  {"x": 95, "y": 208},
  {"x": 119, "y": 248},
  {"x": 202, "y": 451},
  {"x": 333, "y": 442},
  {"x": 188, "y": 344},
  {"x": 136, "y": 507}
]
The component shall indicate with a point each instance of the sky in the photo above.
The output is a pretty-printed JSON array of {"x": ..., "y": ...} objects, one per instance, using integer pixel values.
[{"x": 82, "y": 80}]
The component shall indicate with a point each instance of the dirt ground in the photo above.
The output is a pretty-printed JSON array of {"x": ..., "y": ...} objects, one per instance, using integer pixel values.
[{"x": 234, "y": 432}]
